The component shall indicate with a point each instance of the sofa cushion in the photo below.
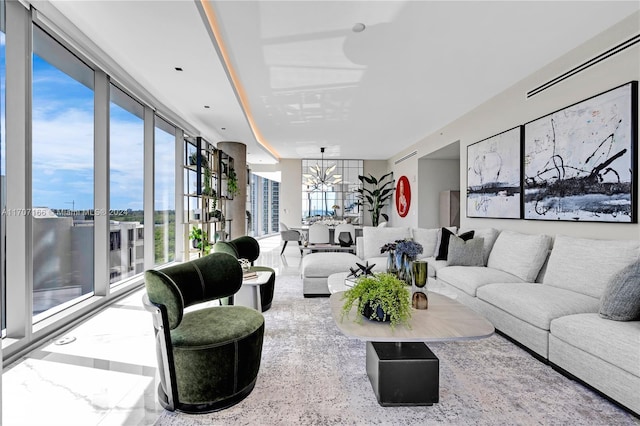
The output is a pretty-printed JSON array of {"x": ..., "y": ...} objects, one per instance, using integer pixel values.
[
  {"x": 427, "y": 238},
  {"x": 585, "y": 265},
  {"x": 489, "y": 235},
  {"x": 536, "y": 304},
  {"x": 453, "y": 229},
  {"x": 325, "y": 264},
  {"x": 444, "y": 242},
  {"x": 613, "y": 341},
  {"x": 519, "y": 254},
  {"x": 465, "y": 253},
  {"x": 374, "y": 238},
  {"x": 470, "y": 278},
  {"x": 621, "y": 298},
  {"x": 434, "y": 266}
]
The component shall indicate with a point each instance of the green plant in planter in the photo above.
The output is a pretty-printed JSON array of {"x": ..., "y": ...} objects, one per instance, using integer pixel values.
[
  {"x": 383, "y": 291},
  {"x": 193, "y": 160},
  {"x": 201, "y": 238},
  {"x": 377, "y": 196},
  {"x": 232, "y": 183}
]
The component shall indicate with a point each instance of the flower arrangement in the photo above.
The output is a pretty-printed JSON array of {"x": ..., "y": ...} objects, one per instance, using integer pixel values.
[
  {"x": 408, "y": 248},
  {"x": 389, "y": 247}
]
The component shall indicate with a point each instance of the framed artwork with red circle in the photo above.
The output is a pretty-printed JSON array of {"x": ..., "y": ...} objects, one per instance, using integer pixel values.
[{"x": 403, "y": 196}]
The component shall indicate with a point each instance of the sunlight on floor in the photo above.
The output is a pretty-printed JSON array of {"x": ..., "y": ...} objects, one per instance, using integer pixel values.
[{"x": 107, "y": 374}]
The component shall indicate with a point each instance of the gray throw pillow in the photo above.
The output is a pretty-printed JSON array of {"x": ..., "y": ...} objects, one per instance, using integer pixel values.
[
  {"x": 621, "y": 299},
  {"x": 465, "y": 253}
]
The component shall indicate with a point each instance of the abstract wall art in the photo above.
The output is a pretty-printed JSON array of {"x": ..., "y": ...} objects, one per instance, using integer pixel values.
[
  {"x": 580, "y": 163},
  {"x": 493, "y": 176}
]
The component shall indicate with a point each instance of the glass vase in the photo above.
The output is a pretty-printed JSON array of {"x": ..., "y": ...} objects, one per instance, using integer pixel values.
[
  {"x": 419, "y": 299},
  {"x": 399, "y": 268},
  {"x": 406, "y": 266},
  {"x": 391, "y": 263}
]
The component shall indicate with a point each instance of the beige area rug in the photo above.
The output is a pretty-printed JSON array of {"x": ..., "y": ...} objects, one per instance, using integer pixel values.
[{"x": 311, "y": 374}]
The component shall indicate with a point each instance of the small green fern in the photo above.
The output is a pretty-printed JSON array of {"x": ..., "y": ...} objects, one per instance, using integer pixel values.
[{"x": 381, "y": 290}]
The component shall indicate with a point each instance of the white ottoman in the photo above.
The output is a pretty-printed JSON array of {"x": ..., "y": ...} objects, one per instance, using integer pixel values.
[{"x": 316, "y": 267}]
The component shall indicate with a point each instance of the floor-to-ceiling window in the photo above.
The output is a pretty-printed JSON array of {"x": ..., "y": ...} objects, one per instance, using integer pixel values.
[
  {"x": 62, "y": 175},
  {"x": 263, "y": 205},
  {"x": 275, "y": 206},
  {"x": 3, "y": 188},
  {"x": 329, "y": 190},
  {"x": 165, "y": 181},
  {"x": 126, "y": 186}
]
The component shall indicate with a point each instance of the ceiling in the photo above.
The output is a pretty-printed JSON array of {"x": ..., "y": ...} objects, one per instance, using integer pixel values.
[{"x": 303, "y": 79}]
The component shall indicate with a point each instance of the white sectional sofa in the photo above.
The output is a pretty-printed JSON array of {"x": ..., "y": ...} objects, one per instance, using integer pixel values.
[
  {"x": 553, "y": 309},
  {"x": 542, "y": 292}
]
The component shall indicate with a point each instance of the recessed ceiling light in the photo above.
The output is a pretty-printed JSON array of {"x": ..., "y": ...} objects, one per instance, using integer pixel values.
[
  {"x": 178, "y": 68},
  {"x": 359, "y": 27},
  {"x": 207, "y": 106},
  {"x": 223, "y": 128}
]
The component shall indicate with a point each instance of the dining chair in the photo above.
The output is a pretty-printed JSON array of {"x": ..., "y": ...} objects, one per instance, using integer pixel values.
[
  {"x": 289, "y": 235},
  {"x": 319, "y": 234},
  {"x": 344, "y": 227}
]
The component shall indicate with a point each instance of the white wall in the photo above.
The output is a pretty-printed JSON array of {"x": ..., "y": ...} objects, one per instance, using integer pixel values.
[
  {"x": 435, "y": 176},
  {"x": 511, "y": 108},
  {"x": 290, "y": 192}
]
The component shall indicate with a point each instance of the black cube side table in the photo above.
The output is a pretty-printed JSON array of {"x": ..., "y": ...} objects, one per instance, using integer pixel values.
[{"x": 403, "y": 373}]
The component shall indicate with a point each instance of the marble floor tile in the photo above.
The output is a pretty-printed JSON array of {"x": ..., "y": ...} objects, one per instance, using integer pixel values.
[{"x": 107, "y": 373}]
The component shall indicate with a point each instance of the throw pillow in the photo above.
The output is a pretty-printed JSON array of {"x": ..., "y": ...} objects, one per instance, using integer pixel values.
[
  {"x": 465, "y": 253},
  {"x": 621, "y": 298},
  {"x": 444, "y": 242},
  {"x": 439, "y": 239}
]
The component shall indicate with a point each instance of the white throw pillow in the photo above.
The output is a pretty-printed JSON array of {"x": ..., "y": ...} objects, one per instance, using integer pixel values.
[
  {"x": 519, "y": 254},
  {"x": 427, "y": 238},
  {"x": 374, "y": 238}
]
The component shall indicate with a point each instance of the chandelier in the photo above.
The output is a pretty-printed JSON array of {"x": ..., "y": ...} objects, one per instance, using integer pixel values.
[{"x": 320, "y": 178}]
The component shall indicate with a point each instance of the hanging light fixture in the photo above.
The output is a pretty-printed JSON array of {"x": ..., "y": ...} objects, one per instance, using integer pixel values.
[{"x": 321, "y": 178}]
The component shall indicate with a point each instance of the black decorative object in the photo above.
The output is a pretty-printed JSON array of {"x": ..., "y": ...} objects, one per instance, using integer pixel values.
[
  {"x": 345, "y": 239},
  {"x": 362, "y": 271}
]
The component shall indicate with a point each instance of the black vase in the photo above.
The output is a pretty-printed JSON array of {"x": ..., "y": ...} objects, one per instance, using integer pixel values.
[{"x": 368, "y": 314}]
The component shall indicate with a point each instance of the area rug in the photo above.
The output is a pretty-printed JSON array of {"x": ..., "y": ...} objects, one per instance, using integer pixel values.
[{"x": 311, "y": 374}]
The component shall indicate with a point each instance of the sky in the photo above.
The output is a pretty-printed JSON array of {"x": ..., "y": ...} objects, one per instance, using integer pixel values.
[{"x": 62, "y": 159}]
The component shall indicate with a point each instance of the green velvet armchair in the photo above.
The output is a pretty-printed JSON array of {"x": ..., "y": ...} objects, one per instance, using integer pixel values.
[
  {"x": 246, "y": 247},
  {"x": 208, "y": 357}
]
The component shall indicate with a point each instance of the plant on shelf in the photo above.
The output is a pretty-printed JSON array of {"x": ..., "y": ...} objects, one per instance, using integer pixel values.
[
  {"x": 193, "y": 160},
  {"x": 232, "y": 183},
  {"x": 377, "y": 196},
  {"x": 380, "y": 297},
  {"x": 200, "y": 239},
  {"x": 217, "y": 214}
]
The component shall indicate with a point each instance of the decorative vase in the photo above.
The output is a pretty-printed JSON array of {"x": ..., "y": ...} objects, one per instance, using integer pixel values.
[
  {"x": 380, "y": 315},
  {"x": 419, "y": 300},
  {"x": 391, "y": 263},
  {"x": 406, "y": 266},
  {"x": 419, "y": 273}
]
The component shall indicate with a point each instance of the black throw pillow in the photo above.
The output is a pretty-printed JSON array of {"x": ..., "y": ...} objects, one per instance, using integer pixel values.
[{"x": 444, "y": 242}]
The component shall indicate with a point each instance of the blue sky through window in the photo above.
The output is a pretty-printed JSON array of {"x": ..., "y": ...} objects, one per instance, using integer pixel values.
[
  {"x": 63, "y": 145},
  {"x": 62, "y": 161}
]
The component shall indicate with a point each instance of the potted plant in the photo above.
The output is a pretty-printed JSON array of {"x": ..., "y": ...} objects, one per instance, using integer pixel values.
[
  {"x": 193, "y": 160},
  {"x": 232, "y": 183},
  {"x": 200, "y": 239},
  {"x": 380, "y": 297},
  {"x": 377, "y": 196}
]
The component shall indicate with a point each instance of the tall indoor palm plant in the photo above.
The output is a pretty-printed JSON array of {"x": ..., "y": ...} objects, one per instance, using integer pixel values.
[{"x": 376, "y": 195}]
